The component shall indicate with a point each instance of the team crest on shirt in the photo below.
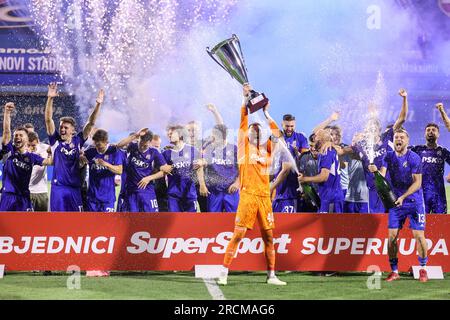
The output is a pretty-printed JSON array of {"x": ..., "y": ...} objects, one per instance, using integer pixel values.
[
  {"x": 439, "y": 153},
  {"x": 26, "y": 159},
  {"x": 186, "y": 156},
  {"x": 106, "y": 157},
  {"x": 405, "y": 164},
  {"x": 147, "y": 157},
  {"x": 71, "y": 145}
]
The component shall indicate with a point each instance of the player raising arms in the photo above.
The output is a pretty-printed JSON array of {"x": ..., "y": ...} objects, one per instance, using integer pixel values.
[
  {"x": 405, "y": 170},
  {"x": 254, "y": 162},
  {"x": 18, "y": 166},
  {"x": 444, "y": 116},
  {"x": 66, "y": 145}
]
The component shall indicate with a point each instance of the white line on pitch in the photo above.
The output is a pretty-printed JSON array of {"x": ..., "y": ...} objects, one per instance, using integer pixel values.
[{"x": 213, "y": 289}]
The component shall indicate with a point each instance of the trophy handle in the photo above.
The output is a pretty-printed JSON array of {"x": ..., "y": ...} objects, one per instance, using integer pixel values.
[{"x": 214, "y": 58}]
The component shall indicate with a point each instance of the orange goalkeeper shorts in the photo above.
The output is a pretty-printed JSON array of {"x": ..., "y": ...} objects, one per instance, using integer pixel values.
[{"x": 251, "y": 207}]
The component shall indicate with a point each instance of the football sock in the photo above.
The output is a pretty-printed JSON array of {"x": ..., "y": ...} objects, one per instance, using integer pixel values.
[
  {"x": 422, "y": 261},
  {"x": 238, "y": 234},
  {"x": 269, "y": 251},
  {"x": 394, "y": 264}
]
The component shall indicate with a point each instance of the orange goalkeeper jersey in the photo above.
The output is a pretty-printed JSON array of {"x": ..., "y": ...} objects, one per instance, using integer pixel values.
[{"x": 254, "y": 163}]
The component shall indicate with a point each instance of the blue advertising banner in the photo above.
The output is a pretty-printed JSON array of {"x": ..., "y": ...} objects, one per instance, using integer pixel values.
[{"x": 23, "y": 59}]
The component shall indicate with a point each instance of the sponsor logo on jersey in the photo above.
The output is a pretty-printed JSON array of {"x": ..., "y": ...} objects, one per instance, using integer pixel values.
[
  {"x": 21, "y": 164},
  {"x": 68, "y": 152},
  {"x": 380, "y": 152},
  {"x": 432, "y": 160},
  {"x": 98, "y": 167},
  {"x": 181, "y": 164},
  {"x": 222, "y": 162},
  {"x": 139, "y": 163}
]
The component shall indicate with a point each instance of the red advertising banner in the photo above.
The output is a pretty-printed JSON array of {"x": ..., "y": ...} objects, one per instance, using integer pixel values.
[{"x": 179, "y": 241}]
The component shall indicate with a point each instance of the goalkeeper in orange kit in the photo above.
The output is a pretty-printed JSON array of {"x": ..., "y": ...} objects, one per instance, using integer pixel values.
[{"x": 254, "y": 160}]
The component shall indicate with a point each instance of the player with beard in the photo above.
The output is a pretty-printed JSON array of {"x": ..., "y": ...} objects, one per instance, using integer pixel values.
[
  {"x": 405, "y": 170},
  {"x": 296, "y": 141},
  {"x": 433, "y": 158},
  {"x": 254, "y": 158},
  {"x": 18, "y": 166},
  {"x": 66, "y": 145}
]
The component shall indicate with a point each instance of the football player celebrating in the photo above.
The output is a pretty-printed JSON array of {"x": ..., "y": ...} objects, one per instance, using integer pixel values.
[
  {"x": 185, "y": 160},
  {"x": 66, "y": 145},
  {"x": 405, "y": 170},
  {"x": 142, "y": 159},
  {"x": 328, "y": 179},
  {"x": 284, "y": 195},
  {"x": 308, "y": 166},
  {"x": 104, "y": 163},
  {"x": 18, "y": 166},
  {"x": 38, "y": 181},
  {"x": 296, "y": 141},
  {"x": 378, "y": 143},
  {"x": 221, "y": 172},
  {"x": 434, "y": 158},
  {"x": 254, "y": 161}
]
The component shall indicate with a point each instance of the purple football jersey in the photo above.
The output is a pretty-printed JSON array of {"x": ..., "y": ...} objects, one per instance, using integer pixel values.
[
  {"x": 101, "y": 179},
  {"x": 401, "y": 170},
  {"x": 17, "y": 169},
  {"x": 181, "y": 183},
  {"x": 141, "y": 165},
  {"x": 66, "y": 157}
]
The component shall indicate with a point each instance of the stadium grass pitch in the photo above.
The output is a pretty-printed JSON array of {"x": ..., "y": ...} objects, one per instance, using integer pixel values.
[{"x": 241, "y": 286}]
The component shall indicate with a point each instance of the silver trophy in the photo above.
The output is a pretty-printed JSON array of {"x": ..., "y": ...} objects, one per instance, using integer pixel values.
[{"x": 228, "y": 55}]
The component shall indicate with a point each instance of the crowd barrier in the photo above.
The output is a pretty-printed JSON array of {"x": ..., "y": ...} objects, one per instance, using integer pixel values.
[{"x": 179, "y": 241}]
